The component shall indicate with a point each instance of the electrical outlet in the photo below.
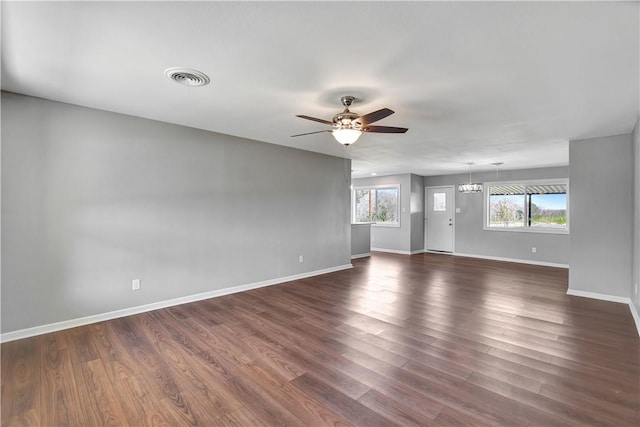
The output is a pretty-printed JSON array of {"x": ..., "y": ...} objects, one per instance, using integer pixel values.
[
  {"x": 135, "y": 285},
  {"x": 533, "y": 250},
  {"x": 301, "y": 259},
  {"x": 635, "y": 288}
]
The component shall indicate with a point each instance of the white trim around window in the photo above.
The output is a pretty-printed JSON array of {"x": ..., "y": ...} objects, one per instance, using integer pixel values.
[{"x": 521, "y": 217}]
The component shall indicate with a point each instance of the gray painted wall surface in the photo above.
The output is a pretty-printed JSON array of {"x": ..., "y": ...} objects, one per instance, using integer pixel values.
[
  {"x": 417, "y": 213},
  {"x": 360, "y": 239},
  {"x": 92, "y": 200},
  {"x": 471, "y": 238},
  {"x": 635, "y": 290},
  {"x": 601, "y": 175}
]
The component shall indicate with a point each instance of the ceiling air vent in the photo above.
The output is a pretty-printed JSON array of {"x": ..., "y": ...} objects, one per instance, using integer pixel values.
[{"x": 187, "y": 76}]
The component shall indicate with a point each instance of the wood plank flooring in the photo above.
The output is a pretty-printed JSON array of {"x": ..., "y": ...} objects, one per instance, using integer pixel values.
[{"x": 425, "y": 340}]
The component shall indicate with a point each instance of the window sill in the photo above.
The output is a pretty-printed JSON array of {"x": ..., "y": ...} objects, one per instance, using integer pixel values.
[
  {"x": 380, "y": 224},
  {"x": 528, "y": 230}
]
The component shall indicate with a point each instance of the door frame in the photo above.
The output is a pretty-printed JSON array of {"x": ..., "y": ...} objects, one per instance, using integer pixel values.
[{"x": 453, "y": 217}]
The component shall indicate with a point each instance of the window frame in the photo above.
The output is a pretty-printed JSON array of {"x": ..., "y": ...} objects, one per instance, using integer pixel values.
[
  {"x": 376, "y": 187},
  {"x": 526, "y": 228}
]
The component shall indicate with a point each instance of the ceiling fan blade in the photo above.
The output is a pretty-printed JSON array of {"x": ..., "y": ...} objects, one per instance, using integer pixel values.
[
  {"x": 311, "y": 133},
  {"x": 326, "y": 122},
  {"x": 385, "y": 129},
  {"x": 375, "y": 116}
]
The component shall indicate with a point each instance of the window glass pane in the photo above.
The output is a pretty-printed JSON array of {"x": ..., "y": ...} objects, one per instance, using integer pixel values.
[
  {"x": 439, "y": 202},
  {"x": 506, "y": 210},
  {"x": 387, "y": 205},
  {"x": 364, "y": 203},
  {"x": 548, "y": 210},
  {"x": 506, "y": 189}
]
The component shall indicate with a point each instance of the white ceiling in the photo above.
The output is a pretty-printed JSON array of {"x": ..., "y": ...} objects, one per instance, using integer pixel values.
[{"x": 478, "y": 82}]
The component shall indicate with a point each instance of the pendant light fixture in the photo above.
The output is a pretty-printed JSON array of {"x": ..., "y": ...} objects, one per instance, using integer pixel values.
[
  {"x": 471, "y": 187},
  {"x": 497, "y": 164}
]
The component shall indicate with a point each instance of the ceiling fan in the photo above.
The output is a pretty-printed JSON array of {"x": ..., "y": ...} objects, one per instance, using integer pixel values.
[{"x": 348, "y": 126}]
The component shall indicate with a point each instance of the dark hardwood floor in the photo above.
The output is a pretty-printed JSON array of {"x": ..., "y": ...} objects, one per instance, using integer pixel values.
[{"x": 399, "y": 340}]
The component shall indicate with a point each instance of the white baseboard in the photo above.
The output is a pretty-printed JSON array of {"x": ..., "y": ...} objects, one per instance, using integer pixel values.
[
  {"x": 521, "y": 261},
  {"x": 636, "y": 316},
  {"x": 361, "y": 255},
  {"x": 390, "y": 251},
  {"x": 429, "y": 251},
  {"x": 494, "y": 258},
  {"x": 72, "y": 323},
  {"x": 594, "y": 295},
  {"x": 395, "y": 251}
]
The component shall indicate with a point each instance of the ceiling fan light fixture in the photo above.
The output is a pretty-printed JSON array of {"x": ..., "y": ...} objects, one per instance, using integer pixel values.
[
  {"x": 348, "y": 126},
  {"x": 346, "y": 137}
]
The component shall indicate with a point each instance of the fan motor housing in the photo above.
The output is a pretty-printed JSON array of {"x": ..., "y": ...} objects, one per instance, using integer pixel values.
[{"x": 346, "y": 120}]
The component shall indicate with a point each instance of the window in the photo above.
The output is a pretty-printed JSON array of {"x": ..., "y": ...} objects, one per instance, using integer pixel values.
[
  {"x": 377, "y": 204},
  {"x": 439, "y": 202},
  {"x": 538, "y": 206}
]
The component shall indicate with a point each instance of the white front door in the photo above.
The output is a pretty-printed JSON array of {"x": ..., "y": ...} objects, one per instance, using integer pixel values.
[{"x": 439, "y": 219}]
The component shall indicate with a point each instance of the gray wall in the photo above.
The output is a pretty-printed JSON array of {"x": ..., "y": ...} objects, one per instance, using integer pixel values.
[
  {"x": 417, "y": 213},
  {"x": 601, "y": 175},
  {"x": 360, "y": 239},
  {"x": 408, "y": 237},
  {"x": 472, "y": 239},
  {"x": 635, "y": 290},
  {"x": 92, "y": 200}
]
